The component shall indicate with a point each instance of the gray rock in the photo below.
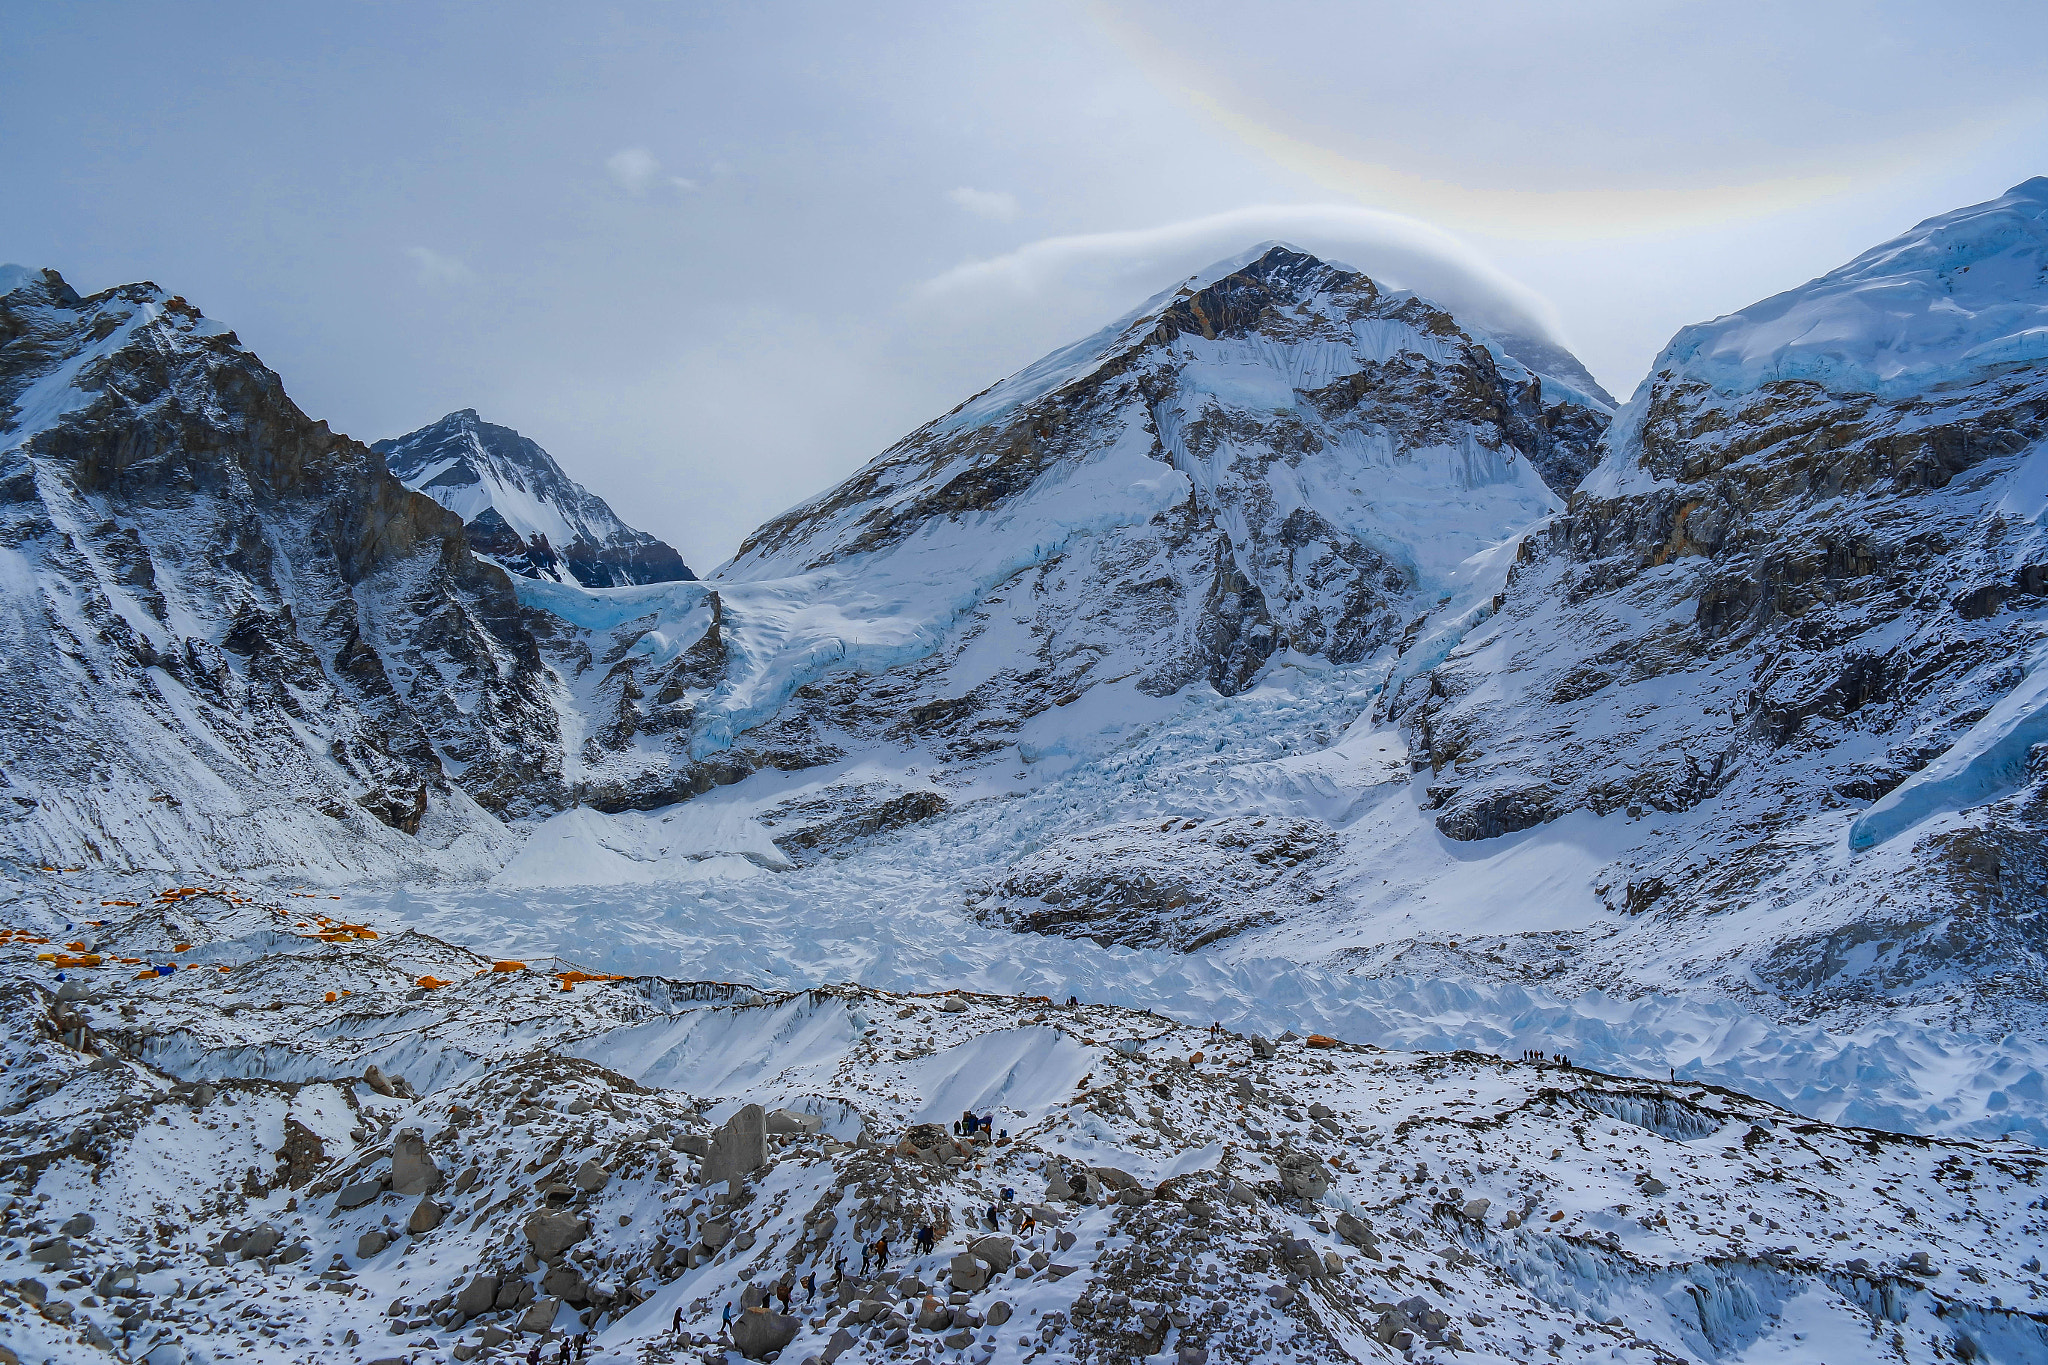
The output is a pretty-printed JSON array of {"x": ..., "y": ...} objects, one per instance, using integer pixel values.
[
  {"x": 354, "y": 1196},
  {"x": 1357, "y": 1232},
  {"x": 1192, "y": 1355},
  {"x": 958, "y": 1341},
  {"x": 1303, "y": 1176},
  {"x": 539, "y": 1315},
  {"x": 551, "y": 1234},
  {"x": 1057, "y": 1188},
  {"x": 968, "y": 1273},
  {"x": 1475, "y": 1210},
  {"x": 370, "y": 1243},
  {"x": 426, "y": 1216},
  {"x": 999, "y": 1313},
  {"x": 55, "y": 1253},
  {"x": 757, "y": 1331},
  {"x": 77, "y": 1225},
  {"x": 692, "y": 1144},
  {"x": 839, "y": 1345},
  {"x": 789, "y": 1123},
  {"x": 1262, "y": 1048},
  {"x": 261, "y": 1242},
  {"x": 952, "y": 1004},
  {"x": 566, "y": 1283},
  {"x": 478, "y": 1297},
  {"x": 577, "y": 1106},
  {"x": 715, "y": 1232},
  {"x": 591, "y": 1177},
  {"x": 412, "y": 1168},
  {"x": 374, "y": 1077},
  {"x": 739, "y": 1148},
  {"x": 997, "y": 1251}
]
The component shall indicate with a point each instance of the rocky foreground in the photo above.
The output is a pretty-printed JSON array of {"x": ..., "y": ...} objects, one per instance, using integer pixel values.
[{"x": 259, "y": 1130}]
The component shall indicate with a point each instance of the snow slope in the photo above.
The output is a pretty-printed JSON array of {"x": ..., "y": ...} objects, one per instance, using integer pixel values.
[{"x": 1958, "y": 297}]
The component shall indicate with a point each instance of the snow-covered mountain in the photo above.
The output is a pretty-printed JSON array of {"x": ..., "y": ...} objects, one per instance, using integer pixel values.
[
  {"x": 518, "y": 507},
  {"x": 1791, "y": 631},
  {"x": 232, "y": 638},
  {"x": 1274, "y": 460}
]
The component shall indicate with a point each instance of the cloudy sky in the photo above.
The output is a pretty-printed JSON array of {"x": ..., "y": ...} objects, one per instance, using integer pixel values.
[{"x": 714, "y": 257}]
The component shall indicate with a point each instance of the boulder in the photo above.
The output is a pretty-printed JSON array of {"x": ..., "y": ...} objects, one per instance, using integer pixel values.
[
  {"x": 715, "y": 1232},
  {"x": 739, "y": 1148},
  {"x": 1117, "y": 1180},
  {"x": 551, "y": 1234},
  {"x": 591, "y": 1177},
  {"x": 1413, "y": 1317},
  {"x": 478, "y": 1297},
  {"x": 539, "y": 1316},
  {"x": 1303, "y": 1176},
  {"x": 958, "y": 1341},
  {"x": 996, "y": 1251},
  {"x": 952, "y": 1004},
  {"x": 355, "y": 1195},
  {"x": 77, "y": 1225},
  {"x": 412, "y": 1168},
  {"x": 789, "y": 1123},
  {"x": 1262, "y": 1048},
  {"x": 1057, "y": 1188},
  {"x": 1356, "y": 1231},
  {"x": 998, "y": 1313},
  {"x": 565, "y": 1282},
  {"x": 968, "y": 1273},
  {"x": 261, "y": 1242},
  {"x": 578, "y": 1106},
  {"x": 841, "y": 1343},
  {"x": 426, "y": 1216},
  {"x": 375, "y": 1078},
  {"x": 1192, "y": 1355},
  {"x": 370, "y": 1243},
  {"x": 1475, "y": 1210},
  {"x": 758, "y": 1331},
  {"x": 56, "y": 1253}
]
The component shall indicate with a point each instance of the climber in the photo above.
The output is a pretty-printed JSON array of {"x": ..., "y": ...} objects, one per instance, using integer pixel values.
[
  {"x": 725, "y": 1324},
  {"x": 675, "y": 1324}
]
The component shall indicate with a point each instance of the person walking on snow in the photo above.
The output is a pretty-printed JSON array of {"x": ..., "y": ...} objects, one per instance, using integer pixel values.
[{"x": 725, "y": 1323}]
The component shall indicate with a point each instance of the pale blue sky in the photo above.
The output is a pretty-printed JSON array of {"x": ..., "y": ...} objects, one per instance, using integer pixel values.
[{"x": 693, "y": 250}]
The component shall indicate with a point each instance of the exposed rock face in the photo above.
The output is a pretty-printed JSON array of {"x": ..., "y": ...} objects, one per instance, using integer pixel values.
[
  {"x": 235, "y": 640},
  {"x": 1178, "y": 883},
  {"x": 739, "y": 1148},
  {"x": 412, "y": 1166},
  {"x": 1277, "y": 456},
  {"x": 519, "y": 508},
  {"x": 1805, "y": 573}
]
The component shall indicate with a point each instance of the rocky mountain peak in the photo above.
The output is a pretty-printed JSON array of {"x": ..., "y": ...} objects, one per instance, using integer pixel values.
[{"x": 522, "y": 510}]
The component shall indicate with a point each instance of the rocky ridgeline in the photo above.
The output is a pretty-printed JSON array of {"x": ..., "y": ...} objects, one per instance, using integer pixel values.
[{"x": 194, "y": 1169}]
